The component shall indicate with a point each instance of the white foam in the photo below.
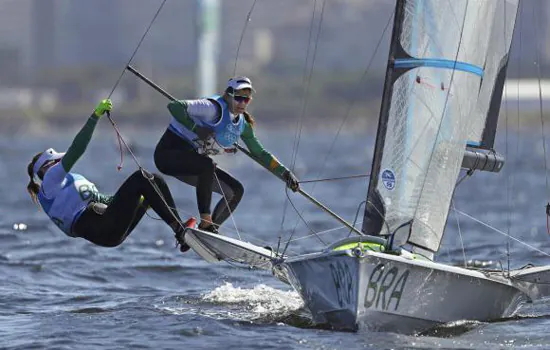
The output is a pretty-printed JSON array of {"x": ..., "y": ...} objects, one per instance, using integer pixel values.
[{"x": 260, "y": 301}]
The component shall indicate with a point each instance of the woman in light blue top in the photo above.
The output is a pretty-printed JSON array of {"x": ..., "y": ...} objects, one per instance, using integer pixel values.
[{"x": 75, "y": 205}]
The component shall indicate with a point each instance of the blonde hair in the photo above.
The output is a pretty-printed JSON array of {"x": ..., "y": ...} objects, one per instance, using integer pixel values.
[{"x": 33, "y": 187}]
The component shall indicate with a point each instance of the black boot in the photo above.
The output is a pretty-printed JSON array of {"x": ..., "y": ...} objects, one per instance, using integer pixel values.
[{"x": 212, "y": 228}]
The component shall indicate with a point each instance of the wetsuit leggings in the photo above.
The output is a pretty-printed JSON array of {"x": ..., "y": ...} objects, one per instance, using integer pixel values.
[
  {"x": 125, "y": 211},
  {"x": 176, "y": 157}
]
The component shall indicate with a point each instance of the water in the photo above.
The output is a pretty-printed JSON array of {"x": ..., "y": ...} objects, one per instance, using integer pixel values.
[{"x": 64, "y": 293}]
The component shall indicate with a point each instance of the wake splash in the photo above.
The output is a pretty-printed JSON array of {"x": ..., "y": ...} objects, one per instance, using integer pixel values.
[{"x": 261, "y": 303}]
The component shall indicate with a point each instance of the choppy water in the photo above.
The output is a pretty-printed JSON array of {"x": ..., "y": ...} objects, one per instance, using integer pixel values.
[{"x": 63, "y": 293}]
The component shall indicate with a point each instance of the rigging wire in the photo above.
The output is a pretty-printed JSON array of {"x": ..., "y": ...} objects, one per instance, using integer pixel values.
[
  {"x": 227, "y": 205},
  {"x": 336, "y": 178},
  {"x": 352, "y": 102},
  {"x": 306, "y": 81},
  {"x": 508, "y": 182},
  {"x": 460, "y": 234},
  {"x": 501, "y": 232},
  {"x": 285, "y": 205},
  {"x": 357, "y": 215},
  {"x": 348, "y": 111},
  {"x": 510, "y": 178},
  {"x": 518, "y": 16},
  {"x": 144, "y": 172},
  {"x": 537, "y": 52},
  {"x": 248, "y": 18}
]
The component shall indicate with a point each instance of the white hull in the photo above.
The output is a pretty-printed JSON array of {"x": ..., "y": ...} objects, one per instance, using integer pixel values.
[
  {"x": 391, "y": 293},
  {"x": 352, "y": 288}
]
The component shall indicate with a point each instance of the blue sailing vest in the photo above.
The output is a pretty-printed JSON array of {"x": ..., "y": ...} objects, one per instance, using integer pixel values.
[
  {"x": 66, "y": 206},
  {"x": 226, "y": 131}
]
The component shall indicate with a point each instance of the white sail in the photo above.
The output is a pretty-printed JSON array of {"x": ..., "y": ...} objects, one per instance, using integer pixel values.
[
  {"x": 496, "y": 61},
  {"x": 441, "y": 66}
]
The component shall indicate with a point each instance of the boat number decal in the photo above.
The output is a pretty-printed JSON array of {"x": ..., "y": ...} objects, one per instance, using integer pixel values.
[
  {"x": 388, "y": 179},
  {"x": 385, "y": 287},
  {"x": 342, "y": 278}
]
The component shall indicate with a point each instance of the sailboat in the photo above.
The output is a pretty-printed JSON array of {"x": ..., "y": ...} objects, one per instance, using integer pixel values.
[{"x": 443, "y": 88}]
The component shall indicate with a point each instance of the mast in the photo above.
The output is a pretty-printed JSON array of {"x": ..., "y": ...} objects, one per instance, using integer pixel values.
[{"x": 374, "y": 209}]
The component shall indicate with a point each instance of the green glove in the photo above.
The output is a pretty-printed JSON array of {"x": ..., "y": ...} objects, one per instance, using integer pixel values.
[{"x": 102, "y": 107}]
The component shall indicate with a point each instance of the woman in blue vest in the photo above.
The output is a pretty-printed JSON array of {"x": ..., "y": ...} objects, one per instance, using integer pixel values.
[
  {"x": 205, "y": 127},
  {"x": 74, "y": 204}
]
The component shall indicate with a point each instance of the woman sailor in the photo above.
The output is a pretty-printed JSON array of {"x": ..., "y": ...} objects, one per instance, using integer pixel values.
[
  {"x": 74, "y": 204},
  {"x": 205, "y": 127}
]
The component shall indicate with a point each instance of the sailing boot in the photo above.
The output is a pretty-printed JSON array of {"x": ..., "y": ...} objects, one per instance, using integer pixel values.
[{"x": 212, "y": 228}]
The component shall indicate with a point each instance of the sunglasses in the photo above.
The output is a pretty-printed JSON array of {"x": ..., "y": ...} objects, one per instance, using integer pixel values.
[
  {"x": 239, "y": 98},
  {"x": 45, "y": 167}
]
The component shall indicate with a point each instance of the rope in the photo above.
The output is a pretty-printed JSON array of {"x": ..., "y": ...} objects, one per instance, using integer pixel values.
[{"x": 121, "y": 140}]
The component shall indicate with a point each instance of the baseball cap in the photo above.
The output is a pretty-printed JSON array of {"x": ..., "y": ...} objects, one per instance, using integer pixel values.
[
  {"x": 47, "y": 155},
  {"x": 240, "y": 82}
]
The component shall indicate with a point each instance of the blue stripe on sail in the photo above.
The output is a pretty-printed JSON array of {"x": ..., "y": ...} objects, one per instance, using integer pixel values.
[
  {"x": 438, "y": 63},
  {"x": 473, "y": 143}
]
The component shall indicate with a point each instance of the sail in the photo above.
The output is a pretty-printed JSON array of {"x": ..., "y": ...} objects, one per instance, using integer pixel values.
[
  {"x": 494, "y": 74},
  {"x": 442, "y": 64}
]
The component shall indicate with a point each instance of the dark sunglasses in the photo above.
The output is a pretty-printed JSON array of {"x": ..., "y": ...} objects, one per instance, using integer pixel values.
[
  {"x": 245, "y": 99},
  {"x": 42, "y": 171}
]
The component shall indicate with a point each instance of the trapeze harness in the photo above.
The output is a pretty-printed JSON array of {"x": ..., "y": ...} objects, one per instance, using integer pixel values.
[{"x": 226, "y": 131}]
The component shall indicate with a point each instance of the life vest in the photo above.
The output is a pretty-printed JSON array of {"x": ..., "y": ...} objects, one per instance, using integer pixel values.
[
  {"x": 68, "y": 203},
  {"x": 226, "y": 131}
]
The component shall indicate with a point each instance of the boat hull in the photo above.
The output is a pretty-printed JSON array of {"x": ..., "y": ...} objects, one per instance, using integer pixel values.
[{"x": 385, "y": 292}]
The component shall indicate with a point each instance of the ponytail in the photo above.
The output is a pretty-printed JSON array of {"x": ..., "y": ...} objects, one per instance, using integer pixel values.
[
  {"x": 249, "y": 118},
  {"x": 33, "y": 187}
]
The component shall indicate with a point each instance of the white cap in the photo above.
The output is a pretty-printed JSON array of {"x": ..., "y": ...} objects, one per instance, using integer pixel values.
[
  {"x": 240, "y": 82},
  {"x": 47, "y": 155}
]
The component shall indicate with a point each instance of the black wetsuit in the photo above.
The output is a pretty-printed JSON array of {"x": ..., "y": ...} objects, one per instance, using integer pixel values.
[
  {"x": 176, "y": 157},
  {"x": 125, "y": 210},
  {"x": 198, "y": 170},
  {"x": 104, "y": 220}
]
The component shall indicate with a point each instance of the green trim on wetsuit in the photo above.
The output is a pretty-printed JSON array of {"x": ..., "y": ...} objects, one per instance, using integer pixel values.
[
  {"x": 178, "y": 109},
  {"x": 76, "y": 150},
  {"x": 259, "y": 152}
]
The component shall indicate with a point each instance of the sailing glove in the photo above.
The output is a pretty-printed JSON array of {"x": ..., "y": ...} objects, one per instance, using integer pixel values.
[
  {"x": 291, "y": 180},
  {"x": 102, "y": 107},
  {"x": 203, "y": 132}
]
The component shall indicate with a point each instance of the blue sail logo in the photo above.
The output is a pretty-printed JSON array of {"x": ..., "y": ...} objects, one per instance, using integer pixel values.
[{"x": 388, "y": 179}]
